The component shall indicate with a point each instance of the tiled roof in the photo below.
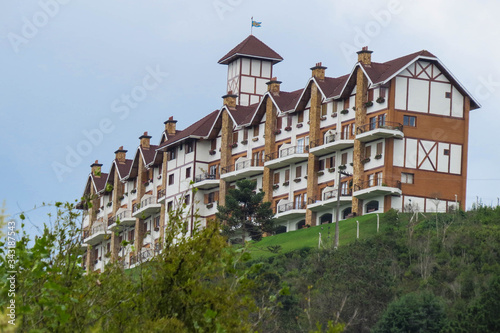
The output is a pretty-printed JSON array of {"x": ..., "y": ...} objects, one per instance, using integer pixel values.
[
  {"x": 123, "y": 168},
  {"x": 379, "y": 72},
  {"x": 199, "y": 128},
  {"x": 287, "y": 100},
  {"x": 149, "y": 154},
  {"x": 251, "y": 47},
  {"x": 243, "y": 114},
  {"x": 100, "y": 182},
  {"x": 332, "y": 86}
]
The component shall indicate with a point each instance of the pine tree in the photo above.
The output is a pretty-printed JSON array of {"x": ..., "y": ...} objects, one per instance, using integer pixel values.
[{"x": 245, "y": 212}]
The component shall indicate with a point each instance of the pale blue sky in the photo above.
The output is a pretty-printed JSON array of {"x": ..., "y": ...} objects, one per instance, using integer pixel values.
[{"x": 66, "y": 74}]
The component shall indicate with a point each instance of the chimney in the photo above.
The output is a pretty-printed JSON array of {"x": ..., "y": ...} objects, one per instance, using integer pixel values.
[
  {"x": 273, "y": 86},
  {"x": 96, "y": 168},
  {"x": 230, "y": 99},
  {"x": 365, "y": 56},
  {"x": 120, "y": 155},
  {"x": 145, "y": 140},
  {"x": 318, "y": 71},
  {"x": 170, "y": 126}
]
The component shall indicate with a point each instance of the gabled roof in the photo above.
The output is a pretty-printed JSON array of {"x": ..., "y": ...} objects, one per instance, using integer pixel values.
[
  {"x": 99, "y": 183},
  {"x": 199, "y": 129},
  {"x": 284, "y": 101},
  {"x": 251, "y": 47}
]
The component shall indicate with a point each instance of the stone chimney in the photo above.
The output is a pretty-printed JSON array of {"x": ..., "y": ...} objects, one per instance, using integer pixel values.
[
  {"x": 145, "y": 140},
  {"x": 170, "y": 127},
  {"x": 273, "y": 86},
  {"x": 120, "y": 155},
  {"x": 318, "y": 71},
  {"x": 230, "y": 100},
  {"x": 96, "y": 168},
  {"x": 365, "y": 56}
]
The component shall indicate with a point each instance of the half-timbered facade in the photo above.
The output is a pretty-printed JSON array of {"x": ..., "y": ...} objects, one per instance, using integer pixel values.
[{"x": 386, "y": 135}]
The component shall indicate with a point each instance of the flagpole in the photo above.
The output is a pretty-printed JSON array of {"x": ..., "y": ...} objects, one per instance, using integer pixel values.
[{"x": 251, "y": 27}]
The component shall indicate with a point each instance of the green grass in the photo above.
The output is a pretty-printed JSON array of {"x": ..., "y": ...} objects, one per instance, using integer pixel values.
[{"x": 309, "y": 237}]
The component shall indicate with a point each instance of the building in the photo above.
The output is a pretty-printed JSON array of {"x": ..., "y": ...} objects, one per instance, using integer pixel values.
[{"x": 386, "y": 135}]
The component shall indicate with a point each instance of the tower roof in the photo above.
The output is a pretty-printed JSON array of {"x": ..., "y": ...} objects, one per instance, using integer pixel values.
[{"x": 251, "y": 47}]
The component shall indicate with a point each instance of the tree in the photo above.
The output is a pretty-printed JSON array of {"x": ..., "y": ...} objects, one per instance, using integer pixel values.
[
  {"x": 413, "y": 313},
  {"x": 196, "y": 285},
  {"x": 245, "y": 212}
]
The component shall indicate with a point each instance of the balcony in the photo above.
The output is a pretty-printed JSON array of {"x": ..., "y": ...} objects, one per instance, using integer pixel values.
[
  {"x": 147, "y": 207},
  {"x": 96, "y": 234},
  {"x": 124, "y": 217},
  {"x": 379, "y": 130},
  {"x": 377, "y": 187},
  {"x": 328, "y": 200},
  {"x": 287, "y": 156},
  {"x": 331, "y": 143},
  {"x": 290, "y": 210},
  {"x": 206, "y": 181},
  {"x": 143, "y": 256},
  {"x": 161, "y": 195},
  {"x": 242, "y": 169}
]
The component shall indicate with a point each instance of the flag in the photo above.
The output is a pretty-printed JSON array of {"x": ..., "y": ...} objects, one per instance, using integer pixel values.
[{"x": 256, "y": 24}]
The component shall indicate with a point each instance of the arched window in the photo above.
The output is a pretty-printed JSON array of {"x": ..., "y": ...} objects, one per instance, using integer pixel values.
[
  {"x": 326, "y": 218},
  {"x": 301, "y": 224},
  {"x": 372, "y": 206},
  {"x": 280, "y": 229},
  {"x": 346, "y": 212}
]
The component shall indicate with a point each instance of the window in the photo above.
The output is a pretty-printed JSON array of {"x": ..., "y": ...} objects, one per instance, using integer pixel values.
[
  {"x": 245, "y": 134},
  {"x": 276, "y": 179},
  {"x": 170, "y": 205},
  {"x": 289, "y": 120},
  {"x": 447, "y": 152},
  {"x": 344, "y": 158},
  {"x": 407, "y": 178},
  {"x": 279, "y": 121},
  {"x": 287, "y": 175},
  {"x": 381, "y": 120},
  {"x": 300, "y": 201},
  {"x": 321, "y": 165},
  {"x": 213, "y": 144},
  {"x": 410, "y": 121},
  {"x": 368, "y": 151},
  {"x": 324, "y": 109},
  {"x": 131, "y": 235},
  {"x": 170, "y": 179},
  {"x": 382, "y": 92},
  {"x": 300, "y": 117},
  {"x": 298, "y": 172},
  {"x": 157, "y": 222},
  {"x": 256, "y": 130},
  {"x": 380, "y": 147},
  {"x": 373, "y": 123},
  {"x": 370, "y": 95},
  {"x": 171, "y": 154},
  {"x": 302, "y": 144},
  {"x": 189, "y": 147},
  {"x": 108, "y": 247},
  {"x": 345, "y": 132},
  {"x": 188, "y": 172},
  {"x": 447, "y": 94},
  {"x": 213, "y": 169},
  {"x": 187, "y": 199},
  {"x": 330, "y": 162},
  {"x": 211, "y": 197},
  {"x": 235, "y": 137}
]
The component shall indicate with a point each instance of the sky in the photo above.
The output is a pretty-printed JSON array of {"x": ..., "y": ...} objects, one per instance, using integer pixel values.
[{"x": 67, "y": 67}]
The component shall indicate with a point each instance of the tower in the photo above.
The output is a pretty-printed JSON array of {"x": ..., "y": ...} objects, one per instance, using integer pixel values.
[{"x": 250, "y": 67}]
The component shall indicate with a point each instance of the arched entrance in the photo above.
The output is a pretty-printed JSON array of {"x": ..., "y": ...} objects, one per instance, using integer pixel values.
[{"x": 326, "y": 218}]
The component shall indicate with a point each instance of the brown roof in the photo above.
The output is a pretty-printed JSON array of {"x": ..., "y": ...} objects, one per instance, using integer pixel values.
[
  {"x": 149, "y": 154},
  {"x": 332, "y": 86},
  {"x": 251, "y": 47},
  {"x": 100, "y": 182},
  {"x": 243, "y": 114},
  {"x": 287, "y": 100},
  {"x": 379, "y": 72},
  {"x": 199, "y": 128},
  {"x": 123, "y": 168}
]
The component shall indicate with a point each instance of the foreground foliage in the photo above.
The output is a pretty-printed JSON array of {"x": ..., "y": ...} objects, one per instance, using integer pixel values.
[
  {"x": 196, "y": 285},
  {"x": 440, "y": 273}
]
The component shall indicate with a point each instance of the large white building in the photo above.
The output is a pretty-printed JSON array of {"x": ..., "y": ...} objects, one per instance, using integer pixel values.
[{"x": 397, "y": 130}]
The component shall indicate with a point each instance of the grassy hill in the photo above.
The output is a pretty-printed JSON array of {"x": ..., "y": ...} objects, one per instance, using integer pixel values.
[{"x": 309, "y": 237}]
